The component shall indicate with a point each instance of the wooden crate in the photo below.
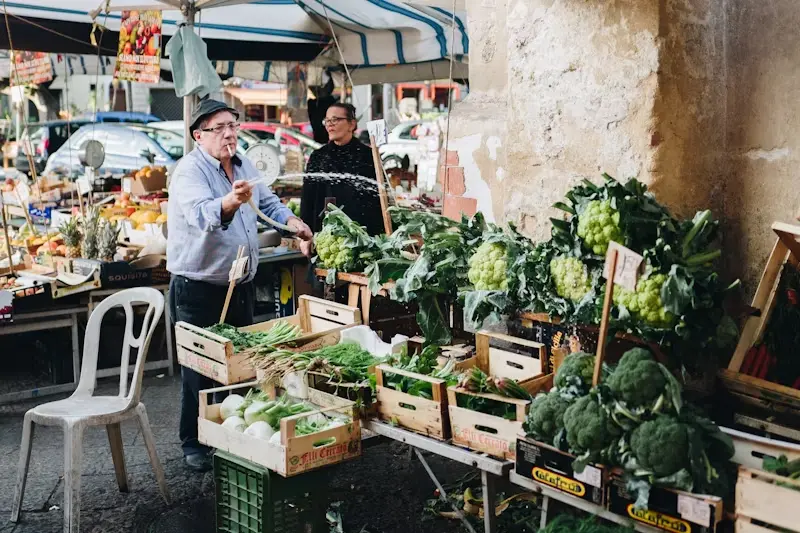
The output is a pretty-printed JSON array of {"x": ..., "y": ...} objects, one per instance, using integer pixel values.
[
  {"x": 766, "y": 394},
  {"x": 213, "y": 355},
  {"x": 761, "y": 498},
  {"x": 295, "y": 454},
  {"x": 499, "y": 356}
]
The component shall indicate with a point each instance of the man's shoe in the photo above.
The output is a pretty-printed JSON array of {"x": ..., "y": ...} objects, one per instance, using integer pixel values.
[{"x": 199, "y": 462}]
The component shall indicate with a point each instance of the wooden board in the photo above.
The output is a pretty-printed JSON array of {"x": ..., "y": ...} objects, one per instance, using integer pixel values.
[
  {"x": 295, "y": 454},
  {"x": 214, "y": 356},
  {"x": 510, "y": 357},
  {"x": 750, "y": 450},
  {"x": 760, "y": 497}
]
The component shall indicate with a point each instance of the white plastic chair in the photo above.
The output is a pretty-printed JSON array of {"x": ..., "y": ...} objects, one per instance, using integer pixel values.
[{"x": 83, "y": 409}]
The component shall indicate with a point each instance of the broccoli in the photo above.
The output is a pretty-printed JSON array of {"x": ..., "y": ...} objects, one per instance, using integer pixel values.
[
  {"x": 546, "y": 416},
  {"x": 589, "y": 426},
  {"x": 598, "y": 224},
  {"x": 661, "y": 446},
  {"x": 487, "y": 267},
  {"x": 638, "y": 380},
  {"x": 571, "y": 278},
  {"x": 645, "y": 304},
  {"x": 577, "y": 370}
]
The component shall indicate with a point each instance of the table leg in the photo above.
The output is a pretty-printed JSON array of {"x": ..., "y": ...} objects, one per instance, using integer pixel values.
[
  {"x": 545, "y": 505},
  {"x": 168, "y": 331},
  {"x": 366, "y": 302},
  {"x": 489, "y": 497},
  {"x": 76, "y": 349},
  {"x": 442, "y": 493},
  {"x": 352, "y": 295}
]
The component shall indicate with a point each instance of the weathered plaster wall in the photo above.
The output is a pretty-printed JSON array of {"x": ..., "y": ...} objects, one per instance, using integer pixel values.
[{"x": 697, "y": 98}]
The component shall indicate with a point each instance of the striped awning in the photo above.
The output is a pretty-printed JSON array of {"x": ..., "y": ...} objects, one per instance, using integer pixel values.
[{"x": 370, "y": 33}]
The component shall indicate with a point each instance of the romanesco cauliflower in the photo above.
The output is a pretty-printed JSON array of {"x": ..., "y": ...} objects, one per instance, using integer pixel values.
[
  {"x": 331, "y": 250},
  {"x": 487, "y": 267},
  {"x": 598, "y": 225},
  {"x": 571, "y": 278},
  {"x": 645, "y": 304}
]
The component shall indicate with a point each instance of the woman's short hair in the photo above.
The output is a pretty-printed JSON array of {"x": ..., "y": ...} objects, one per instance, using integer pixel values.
[{"x": 349, "y": 110}]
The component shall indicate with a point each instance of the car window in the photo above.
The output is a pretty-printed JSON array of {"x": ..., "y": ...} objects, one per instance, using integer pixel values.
[
  {"x": 171, "y": 142},
  {"x": 262, "y": 135},
  {"x": 406, "y": 133}
]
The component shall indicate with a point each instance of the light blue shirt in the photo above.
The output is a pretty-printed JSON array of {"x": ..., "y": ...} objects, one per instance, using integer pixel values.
[{"x": 200, "y": 246}]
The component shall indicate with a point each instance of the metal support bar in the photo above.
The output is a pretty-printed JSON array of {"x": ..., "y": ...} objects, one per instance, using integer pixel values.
[
  {"x": 442, "y": 492},
  {"x": 489, "y": 499}
]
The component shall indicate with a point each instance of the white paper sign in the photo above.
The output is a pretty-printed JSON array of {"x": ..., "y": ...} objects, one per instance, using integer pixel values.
[
  {"x": 238, "y": 269},
  {"x": 694, "y": 510},
  {"x": 24, "y": 192},
  {"x": 377, "y": 129},
  {"x": 591, "y": 476},
  {"x": 126, "y": 185},
  {"x": 629, "y": 266},
  {"x": 83, "y": 186}
]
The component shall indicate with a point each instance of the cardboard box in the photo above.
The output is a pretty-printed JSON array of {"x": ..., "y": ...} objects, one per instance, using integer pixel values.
[
  {"x": 553, "y": 468},
  {"x": 147, "y": 270},
  {"x": 144, "y": 185},
  {"x": 670, "y": 510}
]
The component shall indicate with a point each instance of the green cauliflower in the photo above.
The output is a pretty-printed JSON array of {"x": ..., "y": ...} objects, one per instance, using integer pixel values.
[
  {"x": 571, "y": 278},
  {"x": 589, "y": 426},
  {"x": 645, "y": 304},
  {"x": 598, "y": 225},
  {"x": 546, "y": 416},
  {"x": 577, "y": 369},
  {"x": 487, "y": 267},
  {"x": 661, "y": 446},
  {"x": 638, "y": 379},
  {"x": 332, "y": 251}
]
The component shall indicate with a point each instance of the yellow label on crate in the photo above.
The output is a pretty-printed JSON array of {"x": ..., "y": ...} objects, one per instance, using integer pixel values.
[
  {"x": 560, "y": 482},
  {"x": 659, "y": 520}
]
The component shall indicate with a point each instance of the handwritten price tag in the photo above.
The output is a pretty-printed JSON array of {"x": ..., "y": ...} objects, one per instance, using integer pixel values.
[
  {"x": 238, "y": 269},
  {"x": 83, "y": 185},
  {"x": 629, "y": 266},
  {"x": 126, "y": 185},
  {"x": 378, "y": 130}
]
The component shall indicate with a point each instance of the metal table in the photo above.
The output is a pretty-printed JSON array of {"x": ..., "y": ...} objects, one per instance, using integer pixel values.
[
  {"x": 41, "y": 321},
  {"x": 597, "y": 510},
  {"x": 97, "y": 295},
  {"x": 490, "y": 467}
]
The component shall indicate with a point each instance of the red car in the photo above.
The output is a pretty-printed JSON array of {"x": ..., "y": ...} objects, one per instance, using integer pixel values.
[{"x": 289, "y": 135}]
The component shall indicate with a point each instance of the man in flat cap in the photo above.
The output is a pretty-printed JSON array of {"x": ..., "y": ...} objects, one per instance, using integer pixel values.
[{"x": 208, "y": 220}]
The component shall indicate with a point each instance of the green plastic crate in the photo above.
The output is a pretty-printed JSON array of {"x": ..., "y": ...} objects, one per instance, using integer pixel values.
[{"x": 253, "y": 499}]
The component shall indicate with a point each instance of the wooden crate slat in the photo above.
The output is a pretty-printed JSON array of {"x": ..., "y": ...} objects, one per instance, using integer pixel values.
[
  {"x": 331, "y": 311},
  {"x": 745, "y": 526},
  {"x": 759, "y": 497},
  {"x": 428, "y": 417},
  {"x": 187, "y": 337},
  {"x": 761, "y": 388},
  {"x": 484, "y": 433}
]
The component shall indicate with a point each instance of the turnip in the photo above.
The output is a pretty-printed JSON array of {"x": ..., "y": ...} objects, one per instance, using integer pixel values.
[
  {"x": 260, "y": 430},
  {"x": 230, "y": 405},
  {"x": 275, "y": 438},
  {"x": 236, "y": 423}
]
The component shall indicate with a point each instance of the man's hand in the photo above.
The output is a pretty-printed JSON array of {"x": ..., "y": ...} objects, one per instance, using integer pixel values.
[
  {"x": 242, "y": 192},
  {"x": 302, "y": 231},
  {"x": 307, "y": 247}
]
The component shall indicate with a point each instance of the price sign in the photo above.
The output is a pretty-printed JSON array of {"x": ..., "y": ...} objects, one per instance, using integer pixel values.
[
  {"x": 43, "y": 213},
  {"x": 629, "y": 266},
  {"x": 84, "y": 187},
  {"x": 377, "y": 129},
  {"x": 126, "y": 185},
  {"x": 238, "y": 269}
]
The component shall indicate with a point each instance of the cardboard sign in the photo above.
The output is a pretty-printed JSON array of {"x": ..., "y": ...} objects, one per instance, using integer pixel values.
[
  {"x": 83, "y": 186},
  {"x": 30, "y": 68},
  {"x": 238, "y": 269},
  {"x": 377, "y": 129},
  {"x": 139, "y": 51},
  {"x": 629, "y": 266}
]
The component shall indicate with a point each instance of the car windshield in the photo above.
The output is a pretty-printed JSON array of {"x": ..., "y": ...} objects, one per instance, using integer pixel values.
[{"x": 171, "y": 142}]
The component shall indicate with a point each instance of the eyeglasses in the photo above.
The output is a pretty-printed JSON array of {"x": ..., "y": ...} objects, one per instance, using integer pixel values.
[
  {"x": 333, "y": 121},
  {"x": 220, "y": 128}
]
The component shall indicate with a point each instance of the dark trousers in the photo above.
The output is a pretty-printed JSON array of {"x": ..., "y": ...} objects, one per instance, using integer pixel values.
[{"x": 200, "y": 304}]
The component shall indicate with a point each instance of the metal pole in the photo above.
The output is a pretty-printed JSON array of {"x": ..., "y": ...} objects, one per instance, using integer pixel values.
[{"x": 188, "y": 11}]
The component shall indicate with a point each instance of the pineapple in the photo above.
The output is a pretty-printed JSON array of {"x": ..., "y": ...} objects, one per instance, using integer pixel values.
[
  {"x": 107, "y": 241},
  {"x": 71, "y": 232},
  {"x": 91, "y": 227}
]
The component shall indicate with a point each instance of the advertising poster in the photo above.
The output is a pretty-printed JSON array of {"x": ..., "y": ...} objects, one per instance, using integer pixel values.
[
  {"x": 139, "y": 53},
  {"x": 31, "y": 68}
]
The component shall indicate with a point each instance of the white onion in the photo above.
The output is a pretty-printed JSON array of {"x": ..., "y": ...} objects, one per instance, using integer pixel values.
[
  {"x": 260, "y": 430},
  {"x": 276, "y": 438},
  {"x": 230, "y": 405},
  {"x": 236, "y": 423},
  {"x": 250, "y": 412}
]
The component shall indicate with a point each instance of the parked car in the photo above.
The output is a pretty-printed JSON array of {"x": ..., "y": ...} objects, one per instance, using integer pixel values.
[
  {"x": 120, "y": 116},
  {"x": 402, "y": 142},
  {"x": 246, "y": 139},
  {"x": 127, "y": 146}
]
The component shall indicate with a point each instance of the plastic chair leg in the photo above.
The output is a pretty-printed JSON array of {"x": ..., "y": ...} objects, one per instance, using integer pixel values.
[
  {"x": 73, "y": 459},
  {"x": 118, "y": 455},
  {"x": 150, "y": 443},
  {"x": 24, "y": 463}
]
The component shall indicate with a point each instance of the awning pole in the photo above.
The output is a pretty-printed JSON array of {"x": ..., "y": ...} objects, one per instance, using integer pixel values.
[{"x": 188, "y": 10}]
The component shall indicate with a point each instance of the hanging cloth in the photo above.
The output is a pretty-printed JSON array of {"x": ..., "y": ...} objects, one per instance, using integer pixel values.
[{"x": 192, "y": 72}]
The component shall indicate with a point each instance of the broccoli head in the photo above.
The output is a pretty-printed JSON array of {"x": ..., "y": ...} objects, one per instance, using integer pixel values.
[
  {"x": 589, "y": 426},
  {"x": 546, "y": 416},
  {"x": 577, "y": 369},
  {"x": 638, "y": 380},
  {"x": 661, "y": 446}
]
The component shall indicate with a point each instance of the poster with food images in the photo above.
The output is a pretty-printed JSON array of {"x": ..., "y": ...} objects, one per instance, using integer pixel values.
[
  {"x": 31, "y": 68},
  {"x": 139, "y": 53}
]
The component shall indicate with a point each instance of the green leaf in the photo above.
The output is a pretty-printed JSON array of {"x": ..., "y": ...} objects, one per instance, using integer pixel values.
[
  {"x": 432, "y": 321},
  {"x": 676, "y": 293},
  {"x": 564, "y": 207}
]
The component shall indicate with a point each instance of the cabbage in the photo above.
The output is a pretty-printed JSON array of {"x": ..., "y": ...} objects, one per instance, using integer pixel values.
[
  {"x": 236, "y": 423},
  {"x": 260, "y": 430},
  {"x": 230, "y": 405}
]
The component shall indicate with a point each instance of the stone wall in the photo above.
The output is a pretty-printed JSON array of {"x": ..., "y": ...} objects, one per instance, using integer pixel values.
[{"x": 697, "y": 98}]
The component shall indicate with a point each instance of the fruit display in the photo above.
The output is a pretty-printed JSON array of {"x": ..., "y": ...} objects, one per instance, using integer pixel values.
[
  {"x": 107, "y": 240},
  {"x": 72, "y": 237},
  {"x": 8, "y": 185},
  {"x": 149, "y": 172},
  {"x": 90, "y": 226}
]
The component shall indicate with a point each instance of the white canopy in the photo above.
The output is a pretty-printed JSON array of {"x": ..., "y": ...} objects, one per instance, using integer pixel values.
[{"x": 371, "y": 33}]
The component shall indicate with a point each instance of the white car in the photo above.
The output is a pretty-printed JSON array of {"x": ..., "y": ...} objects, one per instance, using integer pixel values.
[{"x": 403, "y": 141}]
